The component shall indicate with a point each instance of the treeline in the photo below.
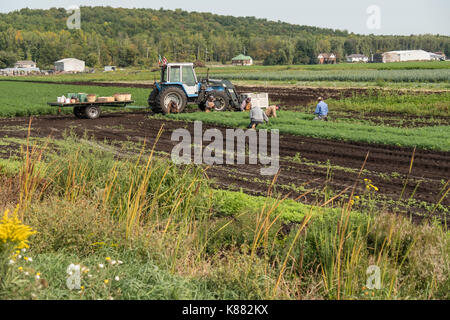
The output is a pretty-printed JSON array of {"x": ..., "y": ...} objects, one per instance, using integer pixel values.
[{"x": 135, "y": 37}]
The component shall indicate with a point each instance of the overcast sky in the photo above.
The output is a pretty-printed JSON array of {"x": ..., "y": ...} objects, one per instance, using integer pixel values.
[{"x": 402, "y": 17}]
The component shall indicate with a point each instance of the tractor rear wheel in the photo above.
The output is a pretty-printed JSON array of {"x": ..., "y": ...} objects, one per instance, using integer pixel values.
[
  {"x": 174, "y": 94},
  {"x": 222, "y": 102},
  {"x": 153, "y": 101}
]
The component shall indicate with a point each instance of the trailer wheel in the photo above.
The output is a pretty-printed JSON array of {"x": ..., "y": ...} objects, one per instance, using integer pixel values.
[
  {"x": 92, "y": 112},
  {"x": 169, "y": 94},
  {"x": 79, "y": 112},
  {"x": 222, "y": 101}
]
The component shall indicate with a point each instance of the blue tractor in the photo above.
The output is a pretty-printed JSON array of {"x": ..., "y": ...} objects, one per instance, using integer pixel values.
[{"x": 179, "y": 85}]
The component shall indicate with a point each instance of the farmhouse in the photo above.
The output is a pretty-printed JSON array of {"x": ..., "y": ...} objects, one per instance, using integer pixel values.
[
  {"x": 70, "y": 65},
  {"x": 242, "y": 60},
  {"x": 326, "y": 58},
  {"x": 25, "y": 64},
  {"x": 407, "y": 55},
  {"x": 357, "y": 58}
]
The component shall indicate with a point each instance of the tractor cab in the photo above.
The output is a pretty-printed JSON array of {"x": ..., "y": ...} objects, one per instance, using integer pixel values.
[{"x": 180, "y": 74}]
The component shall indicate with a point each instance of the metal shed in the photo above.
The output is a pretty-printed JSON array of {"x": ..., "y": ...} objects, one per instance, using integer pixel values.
[
  {"x": 406, "y": 55},
  {"x": 70, "y": 65}
]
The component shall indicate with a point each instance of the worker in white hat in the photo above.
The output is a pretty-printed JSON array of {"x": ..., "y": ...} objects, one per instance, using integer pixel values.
[{"x": 321, "y": 110}]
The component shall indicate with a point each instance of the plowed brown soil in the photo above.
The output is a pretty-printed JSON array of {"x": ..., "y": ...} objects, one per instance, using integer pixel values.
[{"x": 306, "y": 163}]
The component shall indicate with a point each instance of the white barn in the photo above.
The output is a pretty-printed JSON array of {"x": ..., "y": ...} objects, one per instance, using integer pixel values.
[
  {"x": 406, "y": 55},
  {"x": 70, "y": 65}
]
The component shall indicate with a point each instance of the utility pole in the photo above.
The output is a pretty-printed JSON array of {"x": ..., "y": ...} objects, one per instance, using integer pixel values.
[
  {"x": 206, "y": 54},
  {"x": 245, "y": 50},
  {"x": 147, "y": 51}
]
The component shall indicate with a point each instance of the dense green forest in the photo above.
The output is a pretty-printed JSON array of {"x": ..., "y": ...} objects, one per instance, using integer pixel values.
[{"x": 135, "y": 37}]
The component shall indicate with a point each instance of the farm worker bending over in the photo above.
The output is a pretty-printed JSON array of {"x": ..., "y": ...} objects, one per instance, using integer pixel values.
[
  {"x": 271, "y": 111},
  {"x": 257, "y": 116},
  {"x": 210, "y": 104},
  {"x": 321, "y": 110},
  {"x": 246, "y": 104}
]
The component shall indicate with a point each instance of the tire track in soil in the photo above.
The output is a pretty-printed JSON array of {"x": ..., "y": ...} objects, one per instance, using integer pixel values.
[{"x": 429, "y": 166}]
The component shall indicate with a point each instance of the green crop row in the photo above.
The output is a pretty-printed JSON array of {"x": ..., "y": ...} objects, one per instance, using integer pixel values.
[
  {"x": 297, "y": 123},
  {"x": 413, "y": 104},
  {"x": 436, "y": 75}
]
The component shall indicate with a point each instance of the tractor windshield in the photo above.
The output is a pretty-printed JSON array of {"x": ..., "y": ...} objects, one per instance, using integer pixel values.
[{"x": 188, "y": 76}]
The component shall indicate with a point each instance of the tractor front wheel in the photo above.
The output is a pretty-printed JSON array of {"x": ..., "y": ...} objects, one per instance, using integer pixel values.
[{"x": 221, "y": 102}]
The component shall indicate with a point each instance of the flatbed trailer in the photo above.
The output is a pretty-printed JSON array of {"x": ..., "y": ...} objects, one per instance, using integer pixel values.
[{"x": 90, "y": 110}]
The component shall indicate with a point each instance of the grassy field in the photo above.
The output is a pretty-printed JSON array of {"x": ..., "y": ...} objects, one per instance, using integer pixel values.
[
  {"x": 144, "y": 228},
  {"x": 22, "y": 99},
  {"x": 297, "y": 123}
]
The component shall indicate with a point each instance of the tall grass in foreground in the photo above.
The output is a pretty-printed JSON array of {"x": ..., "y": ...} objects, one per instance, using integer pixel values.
[{"x": 155, "y": 215}]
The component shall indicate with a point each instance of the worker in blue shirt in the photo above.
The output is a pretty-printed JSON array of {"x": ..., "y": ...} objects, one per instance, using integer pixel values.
[{"x": 321, "y": 110}]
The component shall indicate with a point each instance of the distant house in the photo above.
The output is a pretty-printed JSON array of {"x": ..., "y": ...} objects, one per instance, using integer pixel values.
[
  {"x": 242, "y": 60},
  {"x": 408, "y": 55},
  {"x": 326, "y": 58},
  {"x": 357, "y": 58},
  {"x": 70, "y": 65},
  {"x": 25, "y": 64}
]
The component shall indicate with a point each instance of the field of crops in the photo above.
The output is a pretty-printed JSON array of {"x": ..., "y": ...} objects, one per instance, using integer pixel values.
[
  {"x": 400, "y": 72},
  {"x": 417, "y": 104},
  {"x": 297, "y": 123},
  {"x": 439, "y": 75}
]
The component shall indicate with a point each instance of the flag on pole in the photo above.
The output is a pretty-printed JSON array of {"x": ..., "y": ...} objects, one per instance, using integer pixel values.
[
  {"x": 164, "y": 61},
  {"x": 159, "y": 60}
]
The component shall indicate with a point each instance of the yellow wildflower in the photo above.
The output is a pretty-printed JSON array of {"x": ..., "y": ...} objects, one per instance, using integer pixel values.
[
  {"x": 20, "y": 268},
  {"x": 12, "y": 230},
  {"x": 107, "y": 258},
  {"x": 357, "y": 197},
  {"x": 106, "y": 281}
]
